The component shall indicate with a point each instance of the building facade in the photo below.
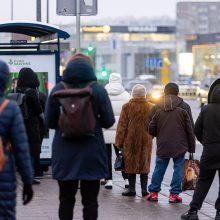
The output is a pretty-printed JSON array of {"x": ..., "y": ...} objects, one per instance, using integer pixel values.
[{"x": 132, "y": 50}]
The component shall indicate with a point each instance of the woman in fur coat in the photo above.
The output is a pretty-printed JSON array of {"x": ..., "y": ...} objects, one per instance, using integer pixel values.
[{"x": 133, "y": 138}]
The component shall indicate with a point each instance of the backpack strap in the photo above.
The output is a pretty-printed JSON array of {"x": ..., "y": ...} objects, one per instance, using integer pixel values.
[{"x": 3, "y": 105}]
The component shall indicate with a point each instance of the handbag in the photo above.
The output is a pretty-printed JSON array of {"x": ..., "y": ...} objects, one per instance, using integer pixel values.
[
  {"x": 119, "y": 162},
  {"x": 191, "y": 173}
]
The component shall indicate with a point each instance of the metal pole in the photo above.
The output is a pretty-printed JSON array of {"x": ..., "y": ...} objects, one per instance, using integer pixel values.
[
  {"x": 48, "y": 11},
  {"x": 12, "y": 10},
  {"x": 38, "y": 10},
  {"x": 78, "y": 26}
]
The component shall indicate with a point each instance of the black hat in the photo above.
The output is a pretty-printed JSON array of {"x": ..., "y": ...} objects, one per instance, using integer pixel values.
[{"x": 171, "y": 89}]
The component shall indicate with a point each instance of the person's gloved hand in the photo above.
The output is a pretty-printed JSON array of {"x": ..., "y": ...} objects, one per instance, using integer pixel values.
[{"x": 27, "y": 193}]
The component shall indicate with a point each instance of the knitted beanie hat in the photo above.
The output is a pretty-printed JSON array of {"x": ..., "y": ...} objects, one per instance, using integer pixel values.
[
  {"x": 138, "y": 91},
  {"x": 115, "y": 78}
]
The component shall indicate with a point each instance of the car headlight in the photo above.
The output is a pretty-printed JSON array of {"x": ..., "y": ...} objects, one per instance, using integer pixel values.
[{"x": 156, "y": 95}]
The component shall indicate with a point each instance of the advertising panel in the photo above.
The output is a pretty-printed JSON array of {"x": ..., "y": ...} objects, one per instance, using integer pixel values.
[{"x": 44, "y": 67}]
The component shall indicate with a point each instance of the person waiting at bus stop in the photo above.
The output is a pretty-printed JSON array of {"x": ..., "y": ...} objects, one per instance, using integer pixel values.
[
  {"x": 12, "y": 131},
  {"x": 84, "y": 159},
  {"x": 207, "y": 130}
]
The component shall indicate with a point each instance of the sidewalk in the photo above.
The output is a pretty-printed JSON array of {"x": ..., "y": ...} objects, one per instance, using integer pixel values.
[{"x": 112, "y": 206}]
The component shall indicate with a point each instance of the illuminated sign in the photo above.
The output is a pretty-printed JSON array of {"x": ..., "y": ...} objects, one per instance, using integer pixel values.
[
  {"x": 129, "y": 29},
  {"x": 142, "y": 29},
  {"x": 97, "y": 29}
]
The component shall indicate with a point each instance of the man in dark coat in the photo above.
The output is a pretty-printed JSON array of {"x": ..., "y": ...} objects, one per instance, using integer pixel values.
[
  {"x": 28, "y": 83},
  {"x": 82, "y": 159},
  {"x": 12, "y": 129},
  {"x": 171, "y": 122},
  {"x": 207, "y": 131}
]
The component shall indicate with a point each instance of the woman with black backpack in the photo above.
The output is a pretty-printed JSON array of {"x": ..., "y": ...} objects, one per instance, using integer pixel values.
[{"x": 28, "y": 84}]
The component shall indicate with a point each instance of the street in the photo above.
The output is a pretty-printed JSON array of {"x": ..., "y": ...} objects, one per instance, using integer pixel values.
[{"x": 112, "y": 205}]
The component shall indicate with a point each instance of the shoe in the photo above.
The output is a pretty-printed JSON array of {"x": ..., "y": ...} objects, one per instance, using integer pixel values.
[
  {"x": 152, "y": 196},
  {"x": 103, "y": 182},
  {"x": 174, "y": 198},
  {"x": 36, "y": 181},
  {"x": 144, "y": 193},
  {"x": 38, "y": 177},
  {"x": 190, "y": 215},
  {"x": 217, "y": 217},
  {"x": 109, "y": 184},
  {"x": 126, "y": 184},
  {"x": 128, "y": 192}
]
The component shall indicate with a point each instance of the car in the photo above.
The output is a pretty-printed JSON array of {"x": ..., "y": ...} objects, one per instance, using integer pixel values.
[{"x": 203, "y": 90}]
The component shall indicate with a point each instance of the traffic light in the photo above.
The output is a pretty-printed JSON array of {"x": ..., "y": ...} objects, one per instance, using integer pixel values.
[
  {"x": 90, "y": 50},
  {"x": 103, "y": 74}
]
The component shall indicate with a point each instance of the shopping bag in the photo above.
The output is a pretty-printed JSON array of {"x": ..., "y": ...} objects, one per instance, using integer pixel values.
[
  {"x": 119, "y": 162},
  {"x": 191, "y": 173}
]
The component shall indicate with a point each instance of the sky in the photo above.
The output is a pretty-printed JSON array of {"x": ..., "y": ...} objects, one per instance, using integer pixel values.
[{"x": 26, "y": 10}]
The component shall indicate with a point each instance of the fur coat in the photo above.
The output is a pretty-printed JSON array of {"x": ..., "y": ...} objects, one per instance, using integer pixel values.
[{"x": 133, "y": 137}]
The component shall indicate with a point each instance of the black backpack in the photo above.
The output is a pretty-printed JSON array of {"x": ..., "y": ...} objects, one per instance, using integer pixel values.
[
  {"x": 21, "y": 99},
  {"x": 77, "y": 118}
]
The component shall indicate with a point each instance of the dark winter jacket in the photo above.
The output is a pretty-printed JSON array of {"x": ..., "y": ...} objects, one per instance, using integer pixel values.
[
  {"x": 171, "y": 122},
  {"x": 207, "y": 130},
  {"x": 82, "y": 159},
  {"x": 12, "y": 129},
  {"x": 28, "y": 83}
]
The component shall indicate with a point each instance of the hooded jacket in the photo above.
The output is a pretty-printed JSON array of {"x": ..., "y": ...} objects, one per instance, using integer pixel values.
[
  {"x": 118, "y": 97},
  {"x": 80, "y": 159},
  {"x": 12, "y": 127},
  {"x": 28, "y": 83},
  {"x": 171, "y": 123},
  {"x": 207, "y": 130}
]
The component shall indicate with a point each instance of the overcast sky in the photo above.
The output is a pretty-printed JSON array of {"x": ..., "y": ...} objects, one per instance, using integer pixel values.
[{"x": 26, "y": 9}]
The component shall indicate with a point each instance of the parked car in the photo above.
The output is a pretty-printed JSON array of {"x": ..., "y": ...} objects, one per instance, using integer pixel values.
[{"x": 202, "y": 92}]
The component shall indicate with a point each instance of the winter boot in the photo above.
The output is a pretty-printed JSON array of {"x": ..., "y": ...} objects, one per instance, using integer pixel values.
[
  {"x": 131, "y": 190},
  {"x": 144, "y": 181},
  {"x": 191, "y": 214},
  {"x": 126, "y": 184},
  {"x": 217, "y": 217}
]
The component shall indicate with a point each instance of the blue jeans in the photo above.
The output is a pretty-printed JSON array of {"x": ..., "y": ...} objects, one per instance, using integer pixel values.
[{"x": 159, "y": 171}]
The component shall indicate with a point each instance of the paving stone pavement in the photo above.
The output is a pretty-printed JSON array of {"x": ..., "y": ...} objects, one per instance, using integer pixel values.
[{"x": 112, "y": 206}]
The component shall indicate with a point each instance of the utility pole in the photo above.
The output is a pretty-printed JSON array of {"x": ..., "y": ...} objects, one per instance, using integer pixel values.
[
  {"x": 12, "y": 10},
  {"x": 48, "y": 11},
  {"x": 38, "y": 7},
  {"x": 78, "y": 26}
]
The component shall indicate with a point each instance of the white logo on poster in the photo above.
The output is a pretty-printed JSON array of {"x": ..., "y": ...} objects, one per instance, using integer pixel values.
[{"x": 88, "y": 2}]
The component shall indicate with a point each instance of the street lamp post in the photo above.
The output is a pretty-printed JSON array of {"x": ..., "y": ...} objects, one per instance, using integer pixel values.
[
  {"x": 12, "y": 11},
  {"x": 48, "y": 11},
  {"x": 78, "y": 26}
]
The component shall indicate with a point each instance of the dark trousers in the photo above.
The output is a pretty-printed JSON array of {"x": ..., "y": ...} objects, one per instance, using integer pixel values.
[
  {"x": 132, "y": 181},
  {"x": 36, "y": 165},
  {"x": 203, "y": 185},
  {"x": 89, "y": 192},
  {"x": 109, "y": 152}
]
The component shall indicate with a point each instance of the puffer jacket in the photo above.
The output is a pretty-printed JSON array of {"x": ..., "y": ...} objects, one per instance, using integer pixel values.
[
  {"x": 12, "y": 128},
  {"x": 118, "y": 97},
  {"x": 171, "y": 123}
]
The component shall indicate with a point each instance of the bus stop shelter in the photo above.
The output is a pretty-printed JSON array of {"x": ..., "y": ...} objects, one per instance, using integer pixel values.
[{"x": 39, "y": 50}]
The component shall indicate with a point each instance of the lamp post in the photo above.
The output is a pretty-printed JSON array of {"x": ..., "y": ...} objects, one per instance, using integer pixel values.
[
  {"x": 38, "y": 7},
  {"x": 48, "y": 11},
  {"x": 78, "y": 26},
  {"x": 12, "y": 11}
]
